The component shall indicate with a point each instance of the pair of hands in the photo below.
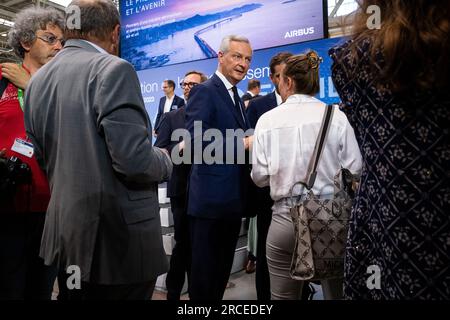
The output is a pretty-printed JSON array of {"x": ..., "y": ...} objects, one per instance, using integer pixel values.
[{"x": 15, "y": 74}]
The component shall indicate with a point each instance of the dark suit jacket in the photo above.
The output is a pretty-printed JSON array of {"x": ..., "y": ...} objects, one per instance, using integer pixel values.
[
  {"x": 86, "y": 118},
  {"x": 256, "y": 108},
  {"x": 177, "y": 184},
  {"x": 260, "y": 105},
  {"x": 177, "y": 102},
  {"x": 216, "y": 191},
  {"x": 247, "y": 96}
]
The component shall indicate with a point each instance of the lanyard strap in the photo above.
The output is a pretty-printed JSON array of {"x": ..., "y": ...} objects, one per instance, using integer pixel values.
[
  {"x": 20, "y": 97},
  {"x": 20, "y": 91}
]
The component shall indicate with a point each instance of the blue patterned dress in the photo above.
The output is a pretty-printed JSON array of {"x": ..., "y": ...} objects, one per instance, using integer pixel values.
[{"x": 401, "y": 217}]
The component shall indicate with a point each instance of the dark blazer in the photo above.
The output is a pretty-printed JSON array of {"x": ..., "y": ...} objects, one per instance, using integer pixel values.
[
  {"x": 177, "y": 184},
  {"x": 246, "y": 96},
  {"x": 260, "y": 105},
  {"x": 177, "y": 102},
  {"x": 86, "y": 118},
  {"x": 216, "y": 191}
]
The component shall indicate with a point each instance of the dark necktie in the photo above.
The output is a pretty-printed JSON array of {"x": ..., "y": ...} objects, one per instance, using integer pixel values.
[{"x": 237, "y": 102}]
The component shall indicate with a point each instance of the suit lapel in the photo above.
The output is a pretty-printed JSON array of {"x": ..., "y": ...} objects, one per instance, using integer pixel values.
[
  {"x": 274, "y": 100},
  {"x": 174, "y": 103},
  {"x": 223, "y": 93},
  {"x": 162, "y": 102}
]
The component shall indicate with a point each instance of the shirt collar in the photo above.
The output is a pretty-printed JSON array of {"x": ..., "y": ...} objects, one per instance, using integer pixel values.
[
  {"x": 251, "y": 93},
  {"x": 101, "y": 50},
  {"x": 299, "y": 98},
  {"x": 278, "y": 97},
  {"x": 227, "y": 83}
]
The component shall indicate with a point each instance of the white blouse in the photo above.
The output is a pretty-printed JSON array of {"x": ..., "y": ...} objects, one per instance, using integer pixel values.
[{"x": 283, "y": 143}]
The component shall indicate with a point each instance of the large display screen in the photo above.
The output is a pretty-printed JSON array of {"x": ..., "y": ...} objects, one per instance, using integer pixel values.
[
  {"x": 157, "y": 33},
  {"x": 152, "y": 79}
]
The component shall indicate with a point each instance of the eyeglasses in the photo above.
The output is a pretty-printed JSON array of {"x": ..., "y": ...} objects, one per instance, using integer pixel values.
[
  {"x": 51, "y": 40},
  {"x": 188, "y": 84}
]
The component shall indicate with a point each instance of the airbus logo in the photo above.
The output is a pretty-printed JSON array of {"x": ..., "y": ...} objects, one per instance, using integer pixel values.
[{"x": 299, "y": 32}]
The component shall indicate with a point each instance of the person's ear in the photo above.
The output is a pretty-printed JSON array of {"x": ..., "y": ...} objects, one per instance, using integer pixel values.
[
  {"x": 115, "y": 40},
  {"x": 116, "y": 34},
  {"x": 26, "y": 46},
  {"x": 220, "y": 56},
  {"x": 290, "y": 84}
]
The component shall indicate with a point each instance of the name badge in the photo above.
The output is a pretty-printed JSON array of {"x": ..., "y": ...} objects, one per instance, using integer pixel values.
[{"x": 23, "y": 147}]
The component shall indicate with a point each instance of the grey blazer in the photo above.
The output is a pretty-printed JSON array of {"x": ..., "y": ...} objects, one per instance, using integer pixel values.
[{"x": 85, "y": 115}]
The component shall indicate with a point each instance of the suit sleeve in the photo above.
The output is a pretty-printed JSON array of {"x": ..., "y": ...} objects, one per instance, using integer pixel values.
[
  {"x": 163, "y": 140},
  {"x": 158, "y": 118},
  {"x": 252, "y": 113},
  {"x": 123, "y": 121},
  {"x": 199, "y": 109},
  {"x": 29, "y": 121}
]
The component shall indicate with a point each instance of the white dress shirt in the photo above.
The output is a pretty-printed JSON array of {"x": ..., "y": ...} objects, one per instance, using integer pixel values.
[
  {"x": 168, "y": 104},
  {"x": 283, "y": 144}
]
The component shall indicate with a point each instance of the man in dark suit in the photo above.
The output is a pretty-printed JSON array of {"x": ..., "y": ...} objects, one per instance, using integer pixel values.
[
  {"x": 85, "y": 116},
  {"x": 253, "y": 90},
  {"x": 169, "y": 102},
  {"x": 256, "y": 108},
  {"x": 180, "y": 259},
  {"x": 217, "y": 192}
]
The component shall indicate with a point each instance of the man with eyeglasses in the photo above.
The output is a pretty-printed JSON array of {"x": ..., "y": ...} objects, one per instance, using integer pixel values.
[
  {"x": 191, "y": 79},
  {"x": 177, "y": 189},
  {"x": 36, "y": 38}
]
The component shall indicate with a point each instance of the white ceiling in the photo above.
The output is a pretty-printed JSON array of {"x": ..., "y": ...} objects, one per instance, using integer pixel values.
[{"x": 63, "y": 3}]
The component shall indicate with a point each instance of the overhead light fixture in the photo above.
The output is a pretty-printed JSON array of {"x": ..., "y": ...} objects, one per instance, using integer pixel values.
[
  {"x": 6, "y": 22},
  {"x": 63, "y": 3}
]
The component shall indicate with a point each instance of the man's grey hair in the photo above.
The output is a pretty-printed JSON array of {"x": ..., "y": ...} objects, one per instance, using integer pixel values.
[
  {"x": 225, "y": 44},
  {"x": 29, "y": 21},
  {"x": 98, "y": 19}
]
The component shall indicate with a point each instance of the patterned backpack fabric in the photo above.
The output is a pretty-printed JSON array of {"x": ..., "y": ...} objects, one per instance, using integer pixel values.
[{"x": 321, "y": 225}]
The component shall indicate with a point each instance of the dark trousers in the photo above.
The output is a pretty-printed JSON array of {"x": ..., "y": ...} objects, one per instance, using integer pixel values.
[
  {"x": 23, "y": 274},
  {"x": 92, "y": 291},
  {"x": 180, "y": 261},
  {"x": 213, "y": 243},
  {"x": 262, "y": 277}
]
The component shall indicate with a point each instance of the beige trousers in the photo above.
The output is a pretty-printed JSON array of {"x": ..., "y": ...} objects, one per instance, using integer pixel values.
[{"x": 279, "y": 249}]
